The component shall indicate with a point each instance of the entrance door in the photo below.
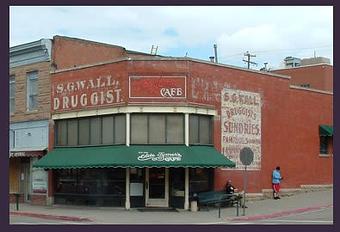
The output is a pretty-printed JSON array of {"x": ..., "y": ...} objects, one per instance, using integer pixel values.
[
  {"x": 26, "y": 180},
  {"x": 157, "y": 187}
]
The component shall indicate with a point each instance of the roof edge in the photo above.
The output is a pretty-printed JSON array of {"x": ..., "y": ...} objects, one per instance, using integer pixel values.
[
  {"x": 310, "y": 90},
  {"x": 173, "y": 59}
]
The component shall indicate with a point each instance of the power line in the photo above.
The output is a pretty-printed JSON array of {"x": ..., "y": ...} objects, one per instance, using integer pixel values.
[{"x": 275, "y": 50}]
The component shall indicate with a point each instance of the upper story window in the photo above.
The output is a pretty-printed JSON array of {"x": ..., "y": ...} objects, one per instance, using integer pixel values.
[
  {"x": 305, "y": 85},
  {"x": 200, "y": 129},
  {"x": 32, "y": 90},
  {"x": 11, "y": 138},
  {"x": 157, "y": 128},
  {"x": 326, "y": 139},
  {"x": 324, "y": 145},
  {"x": 103, "y": 130},
  {"x": 12, "y": 91}
]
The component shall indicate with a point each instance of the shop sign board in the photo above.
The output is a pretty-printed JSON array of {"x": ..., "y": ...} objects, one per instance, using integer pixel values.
[
  {"x": 39, "y": 181},
  {"x": 157, "y": 87},
  {"x": 89, "y": 92},
  {"x": 160, "y": 156},
  {"x": 241, "y": 125}
]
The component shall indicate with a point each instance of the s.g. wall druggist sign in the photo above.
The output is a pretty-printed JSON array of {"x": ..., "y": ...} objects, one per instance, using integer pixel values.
[
  {"x": 241, "y": 125},
  {"x": 157, "y": 87},
  {"x": 88, "y": 92}
]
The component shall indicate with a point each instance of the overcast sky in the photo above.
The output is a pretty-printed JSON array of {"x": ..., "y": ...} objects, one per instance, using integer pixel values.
[{"x": 272, "y": 33}]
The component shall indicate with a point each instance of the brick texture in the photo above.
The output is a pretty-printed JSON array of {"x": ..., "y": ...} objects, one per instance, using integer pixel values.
[
  {"x": 38, "y": 199},
  {"x": 44, "y": 90},
  {"x": 70, "y": 52},
  {"x": 318, "y": 76},
  {"x": 290, "y": 117}
]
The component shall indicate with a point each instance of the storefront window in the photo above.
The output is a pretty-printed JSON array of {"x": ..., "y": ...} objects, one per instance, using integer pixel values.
[
  {"x": 72, "y": 133},
  {"x": 108, "y": 130},
  {"x": 175, "y": 129},
  {"x": 95, "y": 128},
  {"x": 201, "y": 180},
  {"x": 90, "y": 186},
  {"x": 61, "y": 131},
  {"x": 200, "y": 129},
  {"x": 84, "y": 131},
  {"x": 157, "y": 129},
  {"x": 120, "y": 131},
  {"x": 139, "y": 129},
  {"x": 91, "y": 131}
]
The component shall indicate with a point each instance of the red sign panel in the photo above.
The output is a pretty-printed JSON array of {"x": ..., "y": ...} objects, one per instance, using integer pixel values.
[{"x": 161, "y": 87}]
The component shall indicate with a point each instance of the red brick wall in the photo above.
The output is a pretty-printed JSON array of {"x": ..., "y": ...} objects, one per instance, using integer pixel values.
[
  {"x": 290, "y": 117},
  {"x": 38, "y": 199},
  {"x": 71, "y": 52},
  {"x": 118, "y": 74},
  {"x": 318, "y": 76},
  {"x": 12, "y": 198}
]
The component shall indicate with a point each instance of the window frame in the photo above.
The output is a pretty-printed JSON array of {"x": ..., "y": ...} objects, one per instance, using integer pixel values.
[
  {"x": 199, "y": 137},
  {"x": 88, "y": 119},
  {"x": 165, "y": 129},
  {"x": 12, "y": 94},
  {"x": 324, "y": 146},
  {"x": 32, "y": 75}
]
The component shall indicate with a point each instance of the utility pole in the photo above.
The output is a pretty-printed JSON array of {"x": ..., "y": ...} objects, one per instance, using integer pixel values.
[
  {"x": 154, "y": 50},
  {"x": 248, "y": 55}
]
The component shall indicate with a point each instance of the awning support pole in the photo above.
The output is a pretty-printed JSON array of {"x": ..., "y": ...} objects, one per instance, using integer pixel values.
[
  {"x": 186, "y": 198},
  {"x": 127, "y": 192}
]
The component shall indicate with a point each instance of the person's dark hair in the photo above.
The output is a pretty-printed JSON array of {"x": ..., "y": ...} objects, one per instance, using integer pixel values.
[{"x": 278, "y": 168}]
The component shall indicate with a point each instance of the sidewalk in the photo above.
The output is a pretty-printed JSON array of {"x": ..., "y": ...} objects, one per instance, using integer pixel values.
[{"x": 256, "y": 210}]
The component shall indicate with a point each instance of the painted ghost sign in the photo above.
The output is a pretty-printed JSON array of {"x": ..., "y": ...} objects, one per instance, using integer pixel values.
[
  {"x": 157, "y": 87},
  {"x": 241, "y": 125},
  {"x": 89, "y": 92}
]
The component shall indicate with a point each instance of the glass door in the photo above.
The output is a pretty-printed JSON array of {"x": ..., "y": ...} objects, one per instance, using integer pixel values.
[{"x": 157, "y": 187}]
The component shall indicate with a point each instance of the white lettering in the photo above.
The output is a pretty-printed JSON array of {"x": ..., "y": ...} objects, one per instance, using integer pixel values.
[
  {"x": 60, "y": 88},
  {"x": 94, "y": 98},
  {"x": 74, "y": 101},
  {"x": 83, "y": 100},
  {"x": 56, "y": 103},
  {"x": 109, "y": 96},
  {"x": 65, "y": 102},
  {"x": 160, "y": 156},
  {"x": 171, "y": 92}
]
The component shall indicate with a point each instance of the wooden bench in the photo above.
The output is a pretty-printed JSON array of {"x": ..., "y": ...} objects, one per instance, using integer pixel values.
[{"x": 219, "y": 199}]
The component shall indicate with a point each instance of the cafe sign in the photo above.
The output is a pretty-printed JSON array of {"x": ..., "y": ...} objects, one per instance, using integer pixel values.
[
  {"x": 160, "y": 156},
  {"x": 77, "y": 94},
  {"x": 157, "y": 87}
]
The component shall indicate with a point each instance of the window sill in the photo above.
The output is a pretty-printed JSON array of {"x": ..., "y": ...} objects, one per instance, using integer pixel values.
[
  {"x": 31, "y": 111},
  {"x": 325, "y": 155}
]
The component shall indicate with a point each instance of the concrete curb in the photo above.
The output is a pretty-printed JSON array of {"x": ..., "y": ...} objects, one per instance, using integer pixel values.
[
  {"x": 51, "y": 217},
  {"x": 279, "y": 214}
]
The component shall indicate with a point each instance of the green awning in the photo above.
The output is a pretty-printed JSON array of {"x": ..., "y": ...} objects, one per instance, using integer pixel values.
[
  {"x": 134, "y": 156},
  {"x": 326, "y": 130}
]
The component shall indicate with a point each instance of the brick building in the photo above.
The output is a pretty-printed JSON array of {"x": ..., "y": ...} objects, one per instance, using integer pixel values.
[
  {"x": 314, "y": 76},
  {"x": 118, "y": 117},
  {"x": 30, "y": 118}
]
